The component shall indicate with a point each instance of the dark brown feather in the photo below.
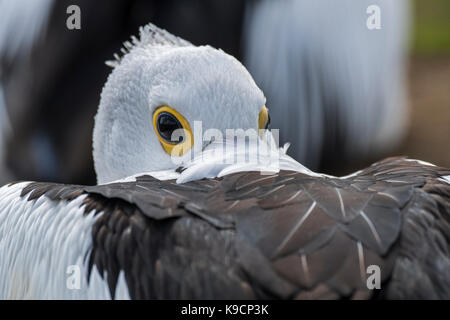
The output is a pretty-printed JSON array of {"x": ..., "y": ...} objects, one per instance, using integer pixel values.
[{"x": 288, "y": 235}]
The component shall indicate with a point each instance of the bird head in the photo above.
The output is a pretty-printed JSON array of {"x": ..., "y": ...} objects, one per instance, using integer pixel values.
[{"x": 160, "y": 93}]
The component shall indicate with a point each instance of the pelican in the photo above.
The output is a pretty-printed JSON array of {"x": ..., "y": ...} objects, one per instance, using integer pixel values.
[
  {"x": 336, "y": 87},
  {"x": 175, "y": 215}
]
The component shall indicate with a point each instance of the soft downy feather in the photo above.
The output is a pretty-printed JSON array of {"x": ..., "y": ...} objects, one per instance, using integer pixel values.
[
  {"x": 228, "y": 156},
  {"x": 150, "y": 37},
  {"x": 40, "y": 240}
]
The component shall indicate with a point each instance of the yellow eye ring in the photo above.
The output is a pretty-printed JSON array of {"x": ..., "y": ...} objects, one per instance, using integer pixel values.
[
  {"x": 166, "y": 122},
  {"x": 263, "y": 118}
]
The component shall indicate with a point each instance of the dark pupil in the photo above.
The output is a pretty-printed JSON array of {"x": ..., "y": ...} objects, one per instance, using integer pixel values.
[{"x": 167, "y": 124}]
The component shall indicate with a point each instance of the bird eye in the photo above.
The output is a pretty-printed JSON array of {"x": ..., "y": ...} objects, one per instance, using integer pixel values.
[
  {"x": 172, "y": 130},
  {"x": 263, "y": 118},
  {"x": 166, "y": 125}
]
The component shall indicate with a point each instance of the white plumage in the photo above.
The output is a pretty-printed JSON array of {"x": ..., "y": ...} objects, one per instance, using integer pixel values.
[
  {"x": 158, "y": 71},
  {"x": 446, "y": 179},
  {"x": 39, "y": 240}
]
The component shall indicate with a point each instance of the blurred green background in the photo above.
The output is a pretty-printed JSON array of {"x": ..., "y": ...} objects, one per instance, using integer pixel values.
[
  {"x": 431, "y": 29},
  {"x": 428, "y": 137}
]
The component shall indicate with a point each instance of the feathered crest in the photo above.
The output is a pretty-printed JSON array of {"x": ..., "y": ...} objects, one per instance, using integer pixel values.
[{"x": 149, "y": 35}]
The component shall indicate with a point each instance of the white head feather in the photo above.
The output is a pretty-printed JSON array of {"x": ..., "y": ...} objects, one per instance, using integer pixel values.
[{"x": 201, "y": 83}]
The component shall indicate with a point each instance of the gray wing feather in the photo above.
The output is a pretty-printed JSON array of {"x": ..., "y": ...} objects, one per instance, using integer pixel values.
[{"x": 289, "y": 235}]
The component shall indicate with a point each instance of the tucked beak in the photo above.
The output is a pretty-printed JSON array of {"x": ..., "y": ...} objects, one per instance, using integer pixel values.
[
  {"x": 263, "y": 119},
  {"x": 263, "y": 122}
]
